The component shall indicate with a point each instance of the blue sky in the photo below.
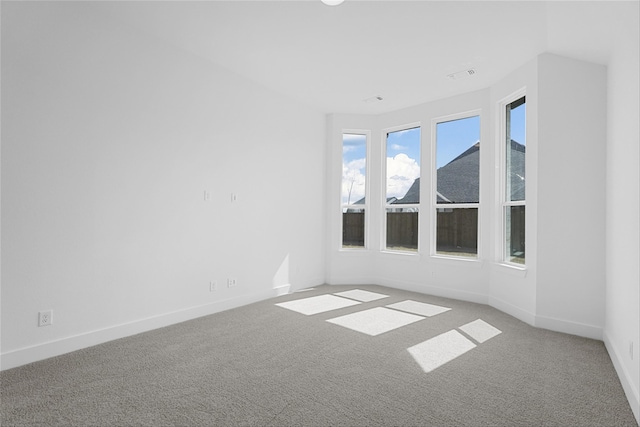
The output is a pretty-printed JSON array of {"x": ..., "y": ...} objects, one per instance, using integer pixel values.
[
  {"x": 404, "y": 141},
  {"x": 455, "y": 137},
  {"x": 403, "y": 153},
  {"x": 353, "y": 147},
  {"x": 518, "y": 124},
  {"x": 403, "y": 161},
  {"x": 354, "y": 157}
]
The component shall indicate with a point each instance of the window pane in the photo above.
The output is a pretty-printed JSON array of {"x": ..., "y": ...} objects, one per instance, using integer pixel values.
[
  {"x": 403, "y": 166},
  {"x": 354, "y": 171},
  {"x": 516, "y": 150},
  {"x": 352, "y": 228},
  {"x": 354, "y": 168},
  {"x": 402, "y": 229},
  {"x": 514, "y": 230},
  {"x": 458, "y": 161},
  {"x": 457, "y": 231}
]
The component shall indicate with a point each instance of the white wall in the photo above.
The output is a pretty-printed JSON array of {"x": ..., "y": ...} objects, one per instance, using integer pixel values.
[
  {"x": 622, "y": 324},
  {"x": 353, "y": 267},
  {"x": 109, "y": 140},
  {"x": 572, "y": 111},
  {"x": 513, "y": 289}
]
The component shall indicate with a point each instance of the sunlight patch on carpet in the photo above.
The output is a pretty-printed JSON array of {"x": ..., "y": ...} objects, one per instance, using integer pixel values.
[
  {"x": 420, "y": 308},
  {"x": 360, "y": 295},
  {"x": 317, "y": 304},
  {"x": 375, "y": 321},
  {"x": 439, "y": 350},
  {"x": 480, "y": 330}
]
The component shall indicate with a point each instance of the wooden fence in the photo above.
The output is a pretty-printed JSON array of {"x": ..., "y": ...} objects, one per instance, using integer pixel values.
[
  {"x": 457, "y": 230},
  {"x": 517, "y": 225},
  {"x": 353, "y": 229},
  {"x": 402, "y": 230}
]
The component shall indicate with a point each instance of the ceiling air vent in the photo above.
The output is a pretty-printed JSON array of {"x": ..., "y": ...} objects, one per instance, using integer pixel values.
[
  {"x": 373, "y": 99},
  {"x": 462, "y": 74}
]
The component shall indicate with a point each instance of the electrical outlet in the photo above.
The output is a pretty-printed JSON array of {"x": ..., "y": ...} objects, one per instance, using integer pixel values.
[
  {"x": 231, "y": 282},
  {"x": 45, "y": 318},
  {"x": 212, "y": 286}
]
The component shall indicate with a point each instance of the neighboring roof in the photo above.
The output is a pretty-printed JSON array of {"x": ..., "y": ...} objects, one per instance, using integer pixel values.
[
  {"x": 458, "y": 180},
  {"x": 518, "y": 152},
  {"x": 389, "y": 200},
  {"x": 413, "y": 194}
]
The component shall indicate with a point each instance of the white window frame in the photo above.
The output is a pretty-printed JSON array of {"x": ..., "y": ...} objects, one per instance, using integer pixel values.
[
  {"x": 385, "y": 205},
  {"x": 366, "y": 205},
  {"x": 504, "y": 203},
  {"x": 434, "y": 187}
]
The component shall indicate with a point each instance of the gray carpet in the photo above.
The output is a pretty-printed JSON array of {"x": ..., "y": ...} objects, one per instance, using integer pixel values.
[{"x": 265, "y": 365}]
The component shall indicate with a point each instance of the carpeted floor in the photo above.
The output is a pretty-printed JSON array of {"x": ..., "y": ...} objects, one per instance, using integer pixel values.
[{"x": 265, "y": 364}]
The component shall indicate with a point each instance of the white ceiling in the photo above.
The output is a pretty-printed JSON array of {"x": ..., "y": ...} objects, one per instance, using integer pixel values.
[{"x": 333, "y": 58}]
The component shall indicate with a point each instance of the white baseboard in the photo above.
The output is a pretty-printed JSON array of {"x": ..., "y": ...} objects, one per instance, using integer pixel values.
[
  {"x": 544, "y": 322},
  {"x": 628, "y": 386},
  {"x": 353, "y": 281},
  {"x": 432, "y": 290},
  {"x": 567, "y": 327},
  {"x": 23, "y": 356},
  {"x": 512, "y": 310},
  {"x": 282, "y": 290}
]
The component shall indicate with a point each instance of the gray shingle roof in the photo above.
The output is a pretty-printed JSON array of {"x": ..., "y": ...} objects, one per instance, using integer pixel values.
[
  {"x": 518, "y": 152},
  {"x": 413, "y": 194},
  {"x": 458, "y": 180}
]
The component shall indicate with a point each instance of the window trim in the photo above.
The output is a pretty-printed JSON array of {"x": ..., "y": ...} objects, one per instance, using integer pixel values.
[
  {"x": 434, "y": 188},
  {"x": 502, "y": 202},
  {"x": 367, "y": 183},
  {"x": 384, "y": 205}
]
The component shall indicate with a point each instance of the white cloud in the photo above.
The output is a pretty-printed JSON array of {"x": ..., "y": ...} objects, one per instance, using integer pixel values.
[
  {"x": 398, "y": 147},
  {"x": 402, "y": 171},
  {"x": 358, "y": 164},
  {"x": 353, "y": 181},
  {"x": 353, "y": 142},
  {"x": 349, "y": 148}
]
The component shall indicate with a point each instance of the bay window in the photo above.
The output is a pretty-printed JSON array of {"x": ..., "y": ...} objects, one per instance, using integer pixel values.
[
  {"x": 354, "y": 186},
  {"x": 457, "y": 186},
  {"x": 402, "y": 193},
  {"x": 514, "y": 200}
]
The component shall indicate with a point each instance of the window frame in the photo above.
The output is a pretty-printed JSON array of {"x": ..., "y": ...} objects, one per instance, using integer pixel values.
[
  {"x": 434, "y": 205},
  {"x": 385, "y": 206},
  {"x": 503, "y": 201},
  {"x": 366, "y": 205}
]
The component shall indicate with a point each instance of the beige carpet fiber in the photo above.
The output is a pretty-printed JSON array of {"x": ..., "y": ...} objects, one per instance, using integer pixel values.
[{"x": 265, "y": 364}]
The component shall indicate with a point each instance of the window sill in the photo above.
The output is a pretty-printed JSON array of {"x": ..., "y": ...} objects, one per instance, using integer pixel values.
[
  {"x": 354, "y": 251},
  {"x": 514, "y": 270},
  {"x": 466, "y": 261},
  {"x": 401, "y": 254}
]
